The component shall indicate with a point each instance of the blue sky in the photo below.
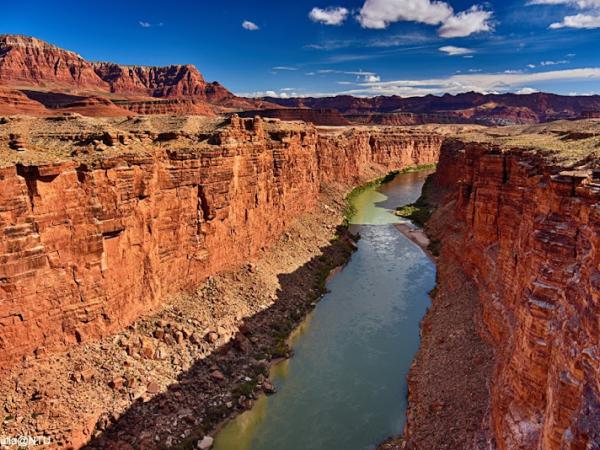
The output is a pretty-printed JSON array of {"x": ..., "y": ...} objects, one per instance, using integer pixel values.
[{"x": 318, "y": 47}]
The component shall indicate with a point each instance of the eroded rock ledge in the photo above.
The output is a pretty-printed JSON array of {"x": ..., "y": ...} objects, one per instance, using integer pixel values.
[{"x": 525, "y": 231}]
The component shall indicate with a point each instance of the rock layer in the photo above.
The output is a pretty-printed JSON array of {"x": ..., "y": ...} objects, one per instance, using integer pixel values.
[
  {"x": 35, "y": 65},
  {"x": 87, "y": 248},
  {"x": 527, "y": 233},
  {"x": 469, "y": 107}
]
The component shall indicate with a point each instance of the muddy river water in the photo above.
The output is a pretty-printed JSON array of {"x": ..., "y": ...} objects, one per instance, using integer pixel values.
[{"x": 345, "y": 387}]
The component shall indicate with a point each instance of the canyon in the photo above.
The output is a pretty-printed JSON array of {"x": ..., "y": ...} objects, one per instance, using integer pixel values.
[
  {"x": 156, "y": 248},
  {"x": 103, "y": 221}
]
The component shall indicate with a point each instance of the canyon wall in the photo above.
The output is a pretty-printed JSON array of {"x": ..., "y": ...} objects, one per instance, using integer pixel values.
[
  {"x": 87, "y": 248},
  {"x": 527, "y": 233}
]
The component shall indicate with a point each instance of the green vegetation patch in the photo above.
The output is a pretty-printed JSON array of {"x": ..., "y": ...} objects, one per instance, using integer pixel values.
[
  {"x": 420, "y": 211},
  {"x": 350, "y": 209}
]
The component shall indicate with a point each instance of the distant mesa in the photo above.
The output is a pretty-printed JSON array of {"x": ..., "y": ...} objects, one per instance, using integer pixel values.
[
  {"x": 470, "y": 107},
  {"x": 38, "y": 78},
  {"x": 52, "y": 79}
]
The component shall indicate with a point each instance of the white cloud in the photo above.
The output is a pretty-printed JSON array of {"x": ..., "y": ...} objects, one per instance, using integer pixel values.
[
  {"x": 513, "y": 71},
  {"x": 359, "y": 73},
  {"x": 250, "y": 26},
  {"x": 287, "y": 68},
  {"x": 586, "y": 21},
  {"x": 455, "y": 51},
  {"x": 531, "y": 66},
  {"x": 372, "y": 78},
  {"x": 329, "y": 16},
  {"x": 473, "y": 20},
  {"x": 284, "y": 93},
  {"x": 484, "y": 83},
  {"x": 144, "y": 24},
  {"x": 380, "y": 14},
  {"x": 527, "y": 90}
]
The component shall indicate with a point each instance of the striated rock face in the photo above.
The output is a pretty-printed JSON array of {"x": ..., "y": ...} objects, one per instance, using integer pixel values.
[
  {"x": 27, "y": 62},
  {"x": 87, "y": 247},
  {"x": 527, "y": 233},
  {"x": 348, "y": 155},
  {"x": 315, "y": 116},
  {"x": 405, "y": 118},
  {"x": 181, "y": 106}
]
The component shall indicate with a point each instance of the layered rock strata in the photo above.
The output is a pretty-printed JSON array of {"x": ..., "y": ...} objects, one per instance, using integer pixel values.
[
  {"x": 90, "y": 243},
  {"x": 44, "y": 72},
  {"x": 525, "y": 231}
]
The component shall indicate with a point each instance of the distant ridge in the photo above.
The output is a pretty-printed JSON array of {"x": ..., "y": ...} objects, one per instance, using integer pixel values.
[
  {"x": 28, "y": 64},
  {"x": 470, "y": 107},
  {"x": 39, "y": 78}
]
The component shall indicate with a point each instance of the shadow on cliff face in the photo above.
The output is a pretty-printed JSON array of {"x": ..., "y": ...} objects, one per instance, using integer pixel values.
[{"x": 229, "y": 379}]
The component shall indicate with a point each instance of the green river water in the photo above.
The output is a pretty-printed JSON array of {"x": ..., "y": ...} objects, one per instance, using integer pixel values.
[{"x": 345, "y": 388}]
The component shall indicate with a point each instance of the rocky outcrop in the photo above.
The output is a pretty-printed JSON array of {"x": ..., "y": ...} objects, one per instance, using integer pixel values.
[
  {"x": 348, "y": 154},
  {"x": 15, "y": 102},
  {"x": 179, "y": 106},
  {"x": 27, "y": 61},
  {"x": 329, "y": 117},
  {"x": 90, "y": 245},
  {"x": 404, "y": 118},
  {"x": 526, "y": 232},
  {"x": 30, "y": 63}
]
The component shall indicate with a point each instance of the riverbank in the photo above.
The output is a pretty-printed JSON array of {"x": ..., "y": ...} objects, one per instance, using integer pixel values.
[
  {"x": 448, "y": 393},
  {"x": 172, "y": 377},
  {"x": 418, "y": 236},
  {"x": 350, "y": 351}
]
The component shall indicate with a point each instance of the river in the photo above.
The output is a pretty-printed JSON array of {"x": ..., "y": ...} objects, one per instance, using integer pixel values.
[{"x": 345, "y": 388}]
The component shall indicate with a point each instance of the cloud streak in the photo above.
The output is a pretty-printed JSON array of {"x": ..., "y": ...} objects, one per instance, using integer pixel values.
[
  {"x": 585, "y": 21},
  {"x": 478, "y": 82},
  {"x": 146, "y": 24},
  {"x": 451, "y": 50}
]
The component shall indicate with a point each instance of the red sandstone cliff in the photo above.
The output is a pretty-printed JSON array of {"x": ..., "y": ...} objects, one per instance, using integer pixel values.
[
  {"x": 88, "y": 247},
  {"x": 527, "y": 234},
  {"x": 29, "y": 65},
  {"x": 326, "y": 117}
]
